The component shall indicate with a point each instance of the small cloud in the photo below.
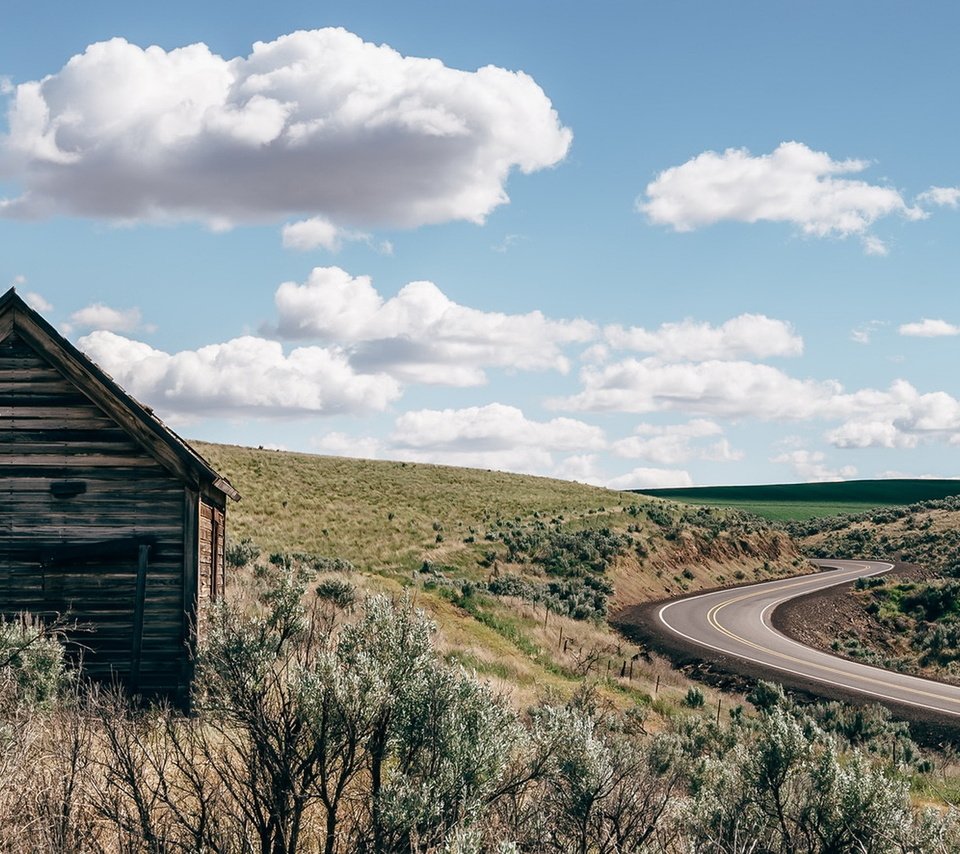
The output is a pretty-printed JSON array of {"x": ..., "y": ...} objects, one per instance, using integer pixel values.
[
  {"x": 651, "y": 478},
  {"x": 873, "y": 245},
  {"x": 929, "y": 328},
  {"x": 6, "y": 86},
  {"x": 864, "y": 333},
  {"x": 508, "y": 241},
  {"x": 36, "y": 301},
  {"x": 945, "y": 197},
  {"x": 320, "y": 233},
  {"x": 811, "y": 466},
  {"x": 100, "y": 316}
]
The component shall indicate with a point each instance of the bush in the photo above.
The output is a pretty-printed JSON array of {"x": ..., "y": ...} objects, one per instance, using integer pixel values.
[
  {"x": 32, "y": 662},
  {"x": 694, "y": 698},
  {"x": 340, "y": 593},
  {"x": 240, "y": 553}
]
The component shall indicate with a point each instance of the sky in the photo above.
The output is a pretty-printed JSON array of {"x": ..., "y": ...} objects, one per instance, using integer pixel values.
[{"x": 630, "y": 244}]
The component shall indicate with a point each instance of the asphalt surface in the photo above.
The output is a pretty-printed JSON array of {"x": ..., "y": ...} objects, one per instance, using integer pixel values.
[{"x": 737, "y": 624}]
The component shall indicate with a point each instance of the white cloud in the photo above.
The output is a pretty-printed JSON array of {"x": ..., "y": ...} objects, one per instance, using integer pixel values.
[
  {"x": 677, "y": 443},
  {"x": 900, "y": 417},
  {"x": 312, "y": 123},
  {"x": 746, "y": 335},
  {"x": 248, "y": 375},
  {"x": 651, "y": 478},
  {"x": 37, "y": 302},
  {"x": 317, "y": 233},
  {"x": 873, "y": 245},
  {"x": 345, "y": 445},
  {"x": 793, "y": 184},
  {"x": 928, "y": 328},
  {"x": 100, "y": 316},
  {"x": 509, "y": 240},
  {"x": 948, "y": 197},
  {"x": 869, "y": 434},
  {"x": 811, "y": 466},
  {"x": 494, "y": 436},
  {"x": 731, "y": 389},
  {"x": 494, "y": 427},
  {"x": 864, "y": 333},
  {"x": 420, "y": 335}
]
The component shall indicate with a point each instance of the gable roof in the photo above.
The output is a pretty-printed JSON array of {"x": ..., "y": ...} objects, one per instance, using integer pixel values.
[{"x": 150, "y": 432}]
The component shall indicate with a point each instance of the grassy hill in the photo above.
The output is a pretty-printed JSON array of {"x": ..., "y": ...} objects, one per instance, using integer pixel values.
[
  {"x": 518, "y": 571},
  {"x": 789, "y": 501}
]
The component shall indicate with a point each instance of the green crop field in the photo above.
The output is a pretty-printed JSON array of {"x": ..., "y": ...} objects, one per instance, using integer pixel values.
[{"x": 791, "y": 501}]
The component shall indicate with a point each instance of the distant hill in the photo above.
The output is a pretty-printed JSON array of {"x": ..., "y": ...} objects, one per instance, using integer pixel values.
[{"x": 784, "y": 501}]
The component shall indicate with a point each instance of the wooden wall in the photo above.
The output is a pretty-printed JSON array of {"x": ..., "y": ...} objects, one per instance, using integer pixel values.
[{"x": 79, "y": 554}]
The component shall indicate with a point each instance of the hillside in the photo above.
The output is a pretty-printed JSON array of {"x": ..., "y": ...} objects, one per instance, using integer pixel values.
[
  {"x": 793, "y": 501},
  {"x": 520, "y": 572}
]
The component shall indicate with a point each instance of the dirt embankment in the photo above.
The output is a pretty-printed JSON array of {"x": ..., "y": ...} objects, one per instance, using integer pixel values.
[{"x": 824, "y": 619}]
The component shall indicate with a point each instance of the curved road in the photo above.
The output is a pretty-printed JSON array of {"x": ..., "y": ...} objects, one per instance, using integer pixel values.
[{"x": 737, "y": 623}]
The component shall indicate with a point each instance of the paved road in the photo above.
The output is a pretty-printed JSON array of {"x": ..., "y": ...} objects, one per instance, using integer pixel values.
[{"x": 737, "y": 623}]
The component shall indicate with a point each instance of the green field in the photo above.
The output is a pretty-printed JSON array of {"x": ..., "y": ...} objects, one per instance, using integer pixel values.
[{"x": 789, "y": 501}]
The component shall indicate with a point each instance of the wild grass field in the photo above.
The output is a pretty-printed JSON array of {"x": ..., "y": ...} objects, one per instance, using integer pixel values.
[
  {"x": 798, "y": 501},
  {"x": 520, "y": 572}
]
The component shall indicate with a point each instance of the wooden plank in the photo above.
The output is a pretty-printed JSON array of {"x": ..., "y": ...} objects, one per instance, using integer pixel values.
[
  {"x": 191, "y": 554},
  {"x": 138, "y": 608}
]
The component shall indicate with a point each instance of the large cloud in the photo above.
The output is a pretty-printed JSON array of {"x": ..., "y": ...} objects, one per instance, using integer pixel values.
[
  {"x": 420, "y": 335},
  {"x": 753, "y": 335},
  {"x": 731, "y": 389},
  {"x": 495, "y": 436},
  {"x": 793, "y": 184},
  {"x": 249, "y": 375},
  {"x": 315, "y": 122}
]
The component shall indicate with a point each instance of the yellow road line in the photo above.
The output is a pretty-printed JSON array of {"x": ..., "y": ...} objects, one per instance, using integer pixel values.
[{"x": 712, "y": 620}]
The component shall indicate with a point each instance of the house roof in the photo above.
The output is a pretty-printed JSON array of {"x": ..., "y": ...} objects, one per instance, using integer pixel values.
[{"x": 156, "y": 438}]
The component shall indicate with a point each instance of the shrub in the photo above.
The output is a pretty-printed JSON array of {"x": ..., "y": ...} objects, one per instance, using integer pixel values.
[
  {"x": 694, "y": 698},
  {"x": 240, "y": 553},
  {"x": 340, "y": 593}
]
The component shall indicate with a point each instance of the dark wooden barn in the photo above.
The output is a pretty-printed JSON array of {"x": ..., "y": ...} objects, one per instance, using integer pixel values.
[{"x": 106, "y": 516}]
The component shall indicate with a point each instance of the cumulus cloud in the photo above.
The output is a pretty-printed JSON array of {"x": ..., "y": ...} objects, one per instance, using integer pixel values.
[
  {"x": 948, "y": 197},
  {"x": 900, "y": 417},
  {"x": 491, "y": 427},
  {"x": 928, "y": 328},
  {"x": 677, "y": 443},
  {"x": 494, "y": 436},
  {"x": 651, "y": 478},
  {"x": 313, "y": 123},
  {"x": 731, "y": 389},
  {"x": 100, "y": 316},
  {"x": 752, "y": 335},
  {"x": 792, "y": 184},
  {"x": 246, "y": 375},
  {"x": 811, "y": 466},
  {"x": 420, "y": 335}
]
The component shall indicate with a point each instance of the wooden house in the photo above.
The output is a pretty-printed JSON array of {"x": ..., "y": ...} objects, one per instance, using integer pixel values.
[{"x": 107, "y": 517}]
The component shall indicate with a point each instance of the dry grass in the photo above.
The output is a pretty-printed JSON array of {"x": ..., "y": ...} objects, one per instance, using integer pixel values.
[{"x": 387, "y": 518}]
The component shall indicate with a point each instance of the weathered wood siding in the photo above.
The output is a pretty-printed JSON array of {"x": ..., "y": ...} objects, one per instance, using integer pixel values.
[
  {"x": 78, "y": 554},
  {"x": 211, "y": 564}
]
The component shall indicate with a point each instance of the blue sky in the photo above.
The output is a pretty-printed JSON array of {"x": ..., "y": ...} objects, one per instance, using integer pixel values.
[{"x": 633, "y": 244}]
